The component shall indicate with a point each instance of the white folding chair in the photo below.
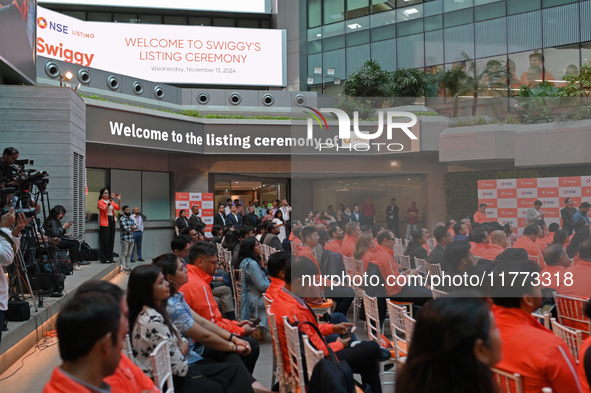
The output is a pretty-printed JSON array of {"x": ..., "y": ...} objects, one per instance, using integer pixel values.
[
  {"x": 544, "y": 318},
  {"x": 398, "y": 242},
  {"x": 508, "y": 382},
  {"x": 374, "y": 332},
  {"x": 437, "y": 293},
  {"x": 396, "y": 316},
  {"x": 295, "y": 355},
  {"x": 294, "y": 248},
  {"x": 570, "y": 312},
  {"x": 434, "y": 269},
  {"x": 127, "y": 349},
  {"x": 313, "y": 356},
  {"x": 406, "y": 241},
  {"x": 162, "y": 368},
  {"x": 431, "y": 244},
  {"x": 236, "y": 277},
  {"x": 228, "y": 258},
  {"x": 420, "y": 264},
  {"x": 404, "y": 263},
  {"x": 278, "y": 368},
  {"x": 534, "y": 258},
  {"x": 397, "y": 249},
  {"x": 350, "y": 270},
  {"x": 573, "y": 338},
  {"x": 409, "y": 328}
]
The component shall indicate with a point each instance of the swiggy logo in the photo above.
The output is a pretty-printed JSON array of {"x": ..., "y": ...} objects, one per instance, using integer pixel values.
[
  {"x": 502, "y": 183},
  {"x": 42, "y": 22}
]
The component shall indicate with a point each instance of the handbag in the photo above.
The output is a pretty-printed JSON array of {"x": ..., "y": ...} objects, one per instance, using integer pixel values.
[{"x": 18, "y": 310}]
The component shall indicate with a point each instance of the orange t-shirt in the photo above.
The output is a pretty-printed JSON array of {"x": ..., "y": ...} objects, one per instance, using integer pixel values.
[
  {"x": 581, "y": 279},
  {"x": 492, "y": 252},
  {"x": 348, "y": 246},
  {"x": 334, "y": 246},
  {"x": 129, "y": 378},
  {"x": 480, "y": 217},
  {"x": 531, "y": 248},
  {"x": 551, "y": 280},
  {"x": 479, "y": 249},
  {"x": 582, "y": 374}
]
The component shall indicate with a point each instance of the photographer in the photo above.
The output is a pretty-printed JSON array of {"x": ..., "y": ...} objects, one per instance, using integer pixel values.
[
  {"x": 107, "y": 209},
  {"x": 9, "y": 243},
  {"x": 54, "y": 228},
  {"x": 9, "y": 156}
]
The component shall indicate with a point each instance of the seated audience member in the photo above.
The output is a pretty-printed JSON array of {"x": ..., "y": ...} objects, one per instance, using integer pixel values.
[
  {"x": 576, "y": 226},
  {"x": 498, "y": 244},
  {"x": 426, "y": 235},
  {"x": 54, "y": 228},
  {"x": 552, "y": 229},
  {"x": 461, "y": 232},
  {"x": 254, "y": 280},
  {"x": 561, "y": 237},
  {"x": 211, "y": 342},
  {"x": 217, "y": 233},
  {"x": 541, "y": 236},
  {"x": 585, "y": 357},
  {"x": 352, "y": 233},
  {"x": 322, "y": 238},
  {"x": 276, "y": 268},
  {"x": 91, "y": 334},
  {"x": 556, "y": 262},
  {"x": 415, "y": 249},
  {"x": 180, "y": 246},
  {"x": 150, "y": 325},
  {"x": 364, "y": 247},
  {"x": 528, "y": 243},
  {"x": 335, "y": 236},
  {"x": 458, "y": 256},
  {"x": 318, "y": 219},
  {"x": 582, "y": 233},
  {"x": 480, "y": 241},
  {"x": 580, "y": 273},
  {"x": 362, "y": 358},
  {"x": 449, "y": 224},
  {"x": 128, "y": 378},
  {"x": 443, "y": 238},
  {"x": 510, "y": 232},
  {"x": 270, "y": 237},
  {"x": 529, "y": 349},
  {"x": 243, "y": 233},
  {"x": 190, "y": 231},
  {"x": 454, "y": 344}
]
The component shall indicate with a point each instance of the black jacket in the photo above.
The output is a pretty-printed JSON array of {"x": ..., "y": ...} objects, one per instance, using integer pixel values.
[
  {"x": 251, "y": 220},
  {"x": 217, "y": 219},
  {"x": 417, "y": 252},
  {"x": 393, "y": 212},
  {"x": 194, "y": 221},
  {"x": 567, "y": 220},
  {"x": 438, "y": 256}
]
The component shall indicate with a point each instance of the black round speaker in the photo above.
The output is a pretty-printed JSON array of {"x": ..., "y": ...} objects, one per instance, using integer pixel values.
[
  {"x": 203, "y": 97},
  {"x": 159, "y": 92},
  {"x": 113, "y": 82},
  {"x": 268, "y": 99},
  {"x": 52, "y": 69},
  {"x": 300, "y": 100},
  {"x": 137, "y": 87},
  {"x": 235, "y": 99},
  {"x": 84, "y": 76}
]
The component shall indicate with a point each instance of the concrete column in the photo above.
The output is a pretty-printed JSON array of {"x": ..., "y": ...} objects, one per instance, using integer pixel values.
[{"x": 287, "y": 16}]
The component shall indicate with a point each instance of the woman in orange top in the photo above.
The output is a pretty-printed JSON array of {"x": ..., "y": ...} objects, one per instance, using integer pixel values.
[{"x": 107, "y": 209}]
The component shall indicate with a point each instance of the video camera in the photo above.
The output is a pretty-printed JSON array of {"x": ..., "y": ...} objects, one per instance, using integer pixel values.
[{"x": 19, "y": 185}]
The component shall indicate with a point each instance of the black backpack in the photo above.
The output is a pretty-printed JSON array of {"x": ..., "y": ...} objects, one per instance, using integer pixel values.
[
  {"x": 64, "y": 263},
  {"x": 88, "y": 253}
]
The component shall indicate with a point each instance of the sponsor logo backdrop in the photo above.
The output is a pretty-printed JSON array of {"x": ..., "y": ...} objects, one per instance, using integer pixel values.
[{"x": 204, "y": 201}]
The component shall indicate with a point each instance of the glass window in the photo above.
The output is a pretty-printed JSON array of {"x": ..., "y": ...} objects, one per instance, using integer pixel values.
[
  {"x": 452, "y": 5},
  {"x": 528, "y": 68},
  {"x": 315, "y": 34},
  {"x": 458, "y": 40},
  {"x": 356, "y": 56},
  {"x": 358, "y": 38},
  {"x": 125, "y": 18},
  {"x": 355, "y": 25},
  {"x": 525, "y": 31},
  {"x": 384, "y": 52},
  {"x": 333, "y": 30},
  {"x": 333, "y": 43},
  {"x": 481, "y": 2},
  {"x": 433, "y": 7},
  {"x": 410, "y": 13},
  {"x": 561, "y": 25},
  {"x": 224, "y": 22},
  {"x": 381, "y": 5},
  {"x": 585, "y": 20},
  {"x": 357, "y": 8},
  {"x": 586, "y": 53},
  {"x": 314, "y": 61},
  {"x": 561, "y": 61},
  {"x": 95, "y": 180},
  {"x": 383, "y": 33},
  {"x": 336, "y": 59},
  {"x": 197, "y": 21},
  {"x": 314, "y": 47},
  {"x": 383, "y": 19},
  {"x": 129, "y": 185},
  {"x": 151, "y": 19},
  {"x": 76, "y": 14},
  {"x": 314, "y": 13},
  {"x": 433, "y": 48},
  {"x": 497, "y": 63},
  {"x": 404, "y": 3},
  {"x": 99, "y": 16},
  {"x": 156, "y": 195},
  {"x": 434, "y": 23},
  {"x": 517, "y": 7},
  {"x": 411, "y": 51},
  {"x": 457, "y": 18},
  {"x": 334, "y": 11},
  {"x": 489, "y": 11},
  {"x": 175, "y": 20},
  {"x": 248, "y": 23},
  {"x": 410, "y": 27},
  {"x": 491, "y": 37},
  {"x": 552, "y": 3}
]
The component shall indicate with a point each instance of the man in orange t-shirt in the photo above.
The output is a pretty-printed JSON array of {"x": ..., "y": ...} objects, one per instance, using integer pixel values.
[
  {"x": 481, "y": 242},
  {"x": 335, "y": 234},
  {"x": 541, "y": 236},
  {"x": 498, "y": 244},
  {"x": 527, "y": 242},
  {"x": 556, "y": 261},
  {"x": 529, "y": 349},
  {"x": 352, "y": 233},
  {"x": 581, "y": 274},
  {"x": 480, "y": 215}
]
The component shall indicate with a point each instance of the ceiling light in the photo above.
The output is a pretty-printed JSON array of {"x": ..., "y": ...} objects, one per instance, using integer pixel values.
[
  {"x": 337, "y": 81},
  {"x": 354, "y": 26},
  {"x": 407, "y": 179},
  {"x": 318, "y": 70},
  {"x": 310, "y": 81},
  {"x": 330, "y": 71},
  {"x": 318, "y": 35},
  {"x": 411, "y": 11}
]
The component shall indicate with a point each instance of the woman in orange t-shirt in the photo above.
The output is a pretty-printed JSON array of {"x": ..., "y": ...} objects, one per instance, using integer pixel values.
[{"x": 107, "y": 209}]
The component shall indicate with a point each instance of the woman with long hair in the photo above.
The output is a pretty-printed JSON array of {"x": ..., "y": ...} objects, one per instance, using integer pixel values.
[
  {"x": 309, "y": 221},
  {"x": 454, "y": 344},
  {"x": 107, "y": 208},
  {"x": 510, "y": 232},
  {"x": 318, "y": 219},
  {"x": 150, "y": 324},
  {"x": 415, "y": 248},
  {"x": 254, "y": 280},
  {"x": 54, "y": 228},
  {"x": 326, "y": 216},
  {"x": 280, "y": 223},
  {"x": 363, "y": 245},
  {"x": 212, "y": 343}
]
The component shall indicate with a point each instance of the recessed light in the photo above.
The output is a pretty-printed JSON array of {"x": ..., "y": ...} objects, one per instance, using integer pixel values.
[
  {"x": 411, "y": 11},
  {"x": 407, "y": 179},
  {"x": 354, "y": 26}
]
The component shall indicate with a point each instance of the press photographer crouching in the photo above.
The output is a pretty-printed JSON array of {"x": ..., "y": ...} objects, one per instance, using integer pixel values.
[{"x": 54, "y": 228}]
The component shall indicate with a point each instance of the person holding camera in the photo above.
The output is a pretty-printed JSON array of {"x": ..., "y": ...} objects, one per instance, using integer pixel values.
[
  {"x": 54, "y": 228},
  {"x": 107, "y": 208},
  {"x": 9, "y": 156}
]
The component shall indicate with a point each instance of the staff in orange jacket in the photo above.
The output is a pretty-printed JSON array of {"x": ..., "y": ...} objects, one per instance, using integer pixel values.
[{"x": 107, "y": 208}]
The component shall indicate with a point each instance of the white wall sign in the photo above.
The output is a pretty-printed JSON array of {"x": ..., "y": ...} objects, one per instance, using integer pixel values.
[
  {"x": 165, "y": 53},
  {"x": 254, "y": 6}
]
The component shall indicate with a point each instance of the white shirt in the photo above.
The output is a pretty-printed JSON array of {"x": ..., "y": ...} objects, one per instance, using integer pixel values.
[
  {"x": 285, "y": 211},
  {"x": 227, "y": 210},
  {"x": 138, "y": 222},
  {"x": 6, "y": 258}
]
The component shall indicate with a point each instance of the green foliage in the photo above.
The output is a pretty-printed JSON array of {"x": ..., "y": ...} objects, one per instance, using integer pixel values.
[
  {"x": 192, "y": 113},
  {"x": 370, "y": 80},
  {"x": 478, "y": 121},
  {"x": 411, "y": 82},
  {"x": 366, "y": 108},
  {"x": 461, "y": 188},
  {"x": 578, "y": 85}
]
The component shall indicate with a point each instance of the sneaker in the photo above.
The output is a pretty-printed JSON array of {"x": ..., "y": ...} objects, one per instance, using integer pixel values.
[
  {"x": 141, "y": 260},
  {"x": 131, "y": 260},
  {"x": 83, "y": 263},
  {"x": 77, "y": 268}
]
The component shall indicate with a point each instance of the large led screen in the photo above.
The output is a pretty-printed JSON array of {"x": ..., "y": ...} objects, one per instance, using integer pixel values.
[{"x": 17, "y": 41}]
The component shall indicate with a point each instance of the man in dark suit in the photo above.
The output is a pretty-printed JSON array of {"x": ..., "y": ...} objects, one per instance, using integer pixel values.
[
  {"x": 220, "y": 217},
  {"x": 251, "y": 219},
  {"x": 234, "y": 218},
  {"x": 567, "y": 214},
  {"x": 357, "y": 216},
  {"x": 443, "y": 238},
  {"x": 392, "y": 218},
  {"x": 271, "y": 238},
  {"x": 195, "y": 221},
  {"x": 346, "y": 216}
]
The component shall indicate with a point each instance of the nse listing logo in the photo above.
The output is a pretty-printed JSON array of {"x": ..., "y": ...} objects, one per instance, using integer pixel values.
[
  {"x": 42, "y": 22},
  {"x": 363, "y": 136}
]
